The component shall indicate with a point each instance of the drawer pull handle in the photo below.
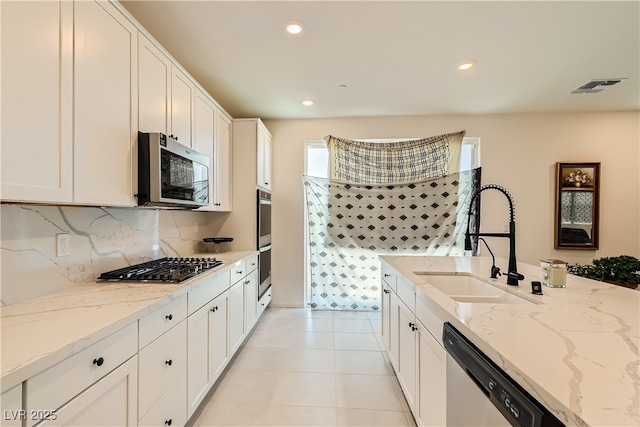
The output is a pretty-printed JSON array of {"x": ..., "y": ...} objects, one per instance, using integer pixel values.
[
  {"x": 238, "y": 272},
  {"x": 168, "y": 422},
  {"x": 169, "y": 317},
  {"x": 169, "y": 362},
  {"x": 387, "y": 275},
  {"x": 99, "y": 361}
]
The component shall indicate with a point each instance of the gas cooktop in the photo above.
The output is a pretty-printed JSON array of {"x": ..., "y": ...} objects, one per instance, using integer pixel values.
[{"x": 163, "y": 270}]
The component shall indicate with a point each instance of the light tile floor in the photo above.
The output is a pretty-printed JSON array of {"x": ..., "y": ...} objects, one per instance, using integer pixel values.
[{"x": 310, "y": 368}]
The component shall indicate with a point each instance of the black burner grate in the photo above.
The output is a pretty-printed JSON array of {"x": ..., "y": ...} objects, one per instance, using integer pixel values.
[{"x": 163, "y": 270}]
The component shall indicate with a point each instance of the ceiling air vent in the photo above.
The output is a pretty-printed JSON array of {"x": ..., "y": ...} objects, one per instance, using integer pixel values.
[{"x": 595, "y": 86}]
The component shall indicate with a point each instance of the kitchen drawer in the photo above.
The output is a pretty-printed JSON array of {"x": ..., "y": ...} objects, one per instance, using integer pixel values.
[
  {"x": 170, "y": 409},
  {"x": 161, "y": 363},
  {"x": 251, "y": 263},
  {"x": 264, "y": 302},
  {"x": 389, "y": 275},
  {"x": 207, "y": 289},
  {"x": 57, "y": 385},
  {"x": 406, "y": 291},
  {"x": 238, "y": 271},
  {"x": 161, "y": 320}
]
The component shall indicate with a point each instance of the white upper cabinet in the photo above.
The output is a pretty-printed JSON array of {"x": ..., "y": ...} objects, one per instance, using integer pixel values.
[
  {"x": 37, "y": 79},
  {"x": 105, "y": 122},
  {"x": 212, "y": 137},
  {"x": 222, "y": 174},
  {"x": 154, "y": 86},
  {"x": 264, "y": 157},
  {"x": 182, "y": 106}
]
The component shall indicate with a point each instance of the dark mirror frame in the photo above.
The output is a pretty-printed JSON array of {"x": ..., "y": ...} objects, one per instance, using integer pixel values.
[{"x": 576, "y": 183}]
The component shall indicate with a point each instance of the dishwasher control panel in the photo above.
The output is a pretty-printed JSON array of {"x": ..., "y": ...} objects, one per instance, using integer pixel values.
[{"x": 513, "y": 402}]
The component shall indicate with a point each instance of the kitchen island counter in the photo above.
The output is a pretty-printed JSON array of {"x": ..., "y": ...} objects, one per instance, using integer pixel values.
[
  {"x": 38, "y": 333},
  {"x": 575, "y": 349}
]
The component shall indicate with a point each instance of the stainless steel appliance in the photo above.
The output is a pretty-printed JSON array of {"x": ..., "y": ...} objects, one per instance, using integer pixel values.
[
  {"x": 264, "y": 218},
  {"x": 264, "y": 241},
  {"x": 171, "y": 174},
  {"x": 163, "y": 270},
  {"x": 479, "y": 393}
]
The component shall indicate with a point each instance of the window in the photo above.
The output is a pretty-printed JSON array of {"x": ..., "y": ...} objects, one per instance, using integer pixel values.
[{"x": 317, "y": 156}]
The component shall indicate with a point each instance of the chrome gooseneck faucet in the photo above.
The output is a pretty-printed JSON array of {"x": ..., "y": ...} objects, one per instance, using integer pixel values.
[{"x": 512, "y": 273}]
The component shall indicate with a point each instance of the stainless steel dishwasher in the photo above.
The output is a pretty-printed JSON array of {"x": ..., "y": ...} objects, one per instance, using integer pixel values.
[{"x": 479, "y": 393}]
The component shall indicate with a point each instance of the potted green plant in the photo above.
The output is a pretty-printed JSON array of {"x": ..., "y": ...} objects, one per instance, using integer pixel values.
[{"x": 622, "y": 270}]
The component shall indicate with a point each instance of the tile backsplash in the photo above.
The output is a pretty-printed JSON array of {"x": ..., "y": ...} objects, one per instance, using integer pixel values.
[{"x": 102, "y": 239}]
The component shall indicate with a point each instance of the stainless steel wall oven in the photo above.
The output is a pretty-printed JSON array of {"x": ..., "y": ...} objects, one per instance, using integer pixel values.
[{"x": 264, "y": 241}]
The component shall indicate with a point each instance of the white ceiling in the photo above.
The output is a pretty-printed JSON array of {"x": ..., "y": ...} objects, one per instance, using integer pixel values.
[{"x": 399, "y": 58}]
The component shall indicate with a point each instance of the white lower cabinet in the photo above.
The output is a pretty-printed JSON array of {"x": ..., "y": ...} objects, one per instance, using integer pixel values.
[
  {"x": 96, "y": 374},
  {"x": 418, "y": 358},
  {"x": 431, "y": 408},
  {"x": 161, "y": 364},
  {"x": 236, "y": 316},
  {"x": 407, "y": 345},
  {"x": 109, "y": 402},
  {"x": 169, "y": 409},
  {"x": 11, "y": 406},
  {"x": 208, "y": 351},
  {"x": 250, "y": 300}
]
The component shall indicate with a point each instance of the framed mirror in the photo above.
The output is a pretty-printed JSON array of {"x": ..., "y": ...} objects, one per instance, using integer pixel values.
[{"x": 577, "y": 205}]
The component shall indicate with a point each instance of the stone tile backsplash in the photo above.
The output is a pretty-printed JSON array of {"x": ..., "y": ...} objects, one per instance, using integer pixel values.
[{"x": 102, "y": 239}]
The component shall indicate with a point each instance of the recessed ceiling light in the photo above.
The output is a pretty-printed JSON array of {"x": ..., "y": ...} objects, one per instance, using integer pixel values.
[
  {"x": 466, "y": 65},
  {"x": 294, "y": 28},
  {"x": 308, "y": 102}
]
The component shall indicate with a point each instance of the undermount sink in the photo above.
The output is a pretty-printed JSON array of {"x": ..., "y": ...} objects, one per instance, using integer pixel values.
[{"x": 465, "y": 288}]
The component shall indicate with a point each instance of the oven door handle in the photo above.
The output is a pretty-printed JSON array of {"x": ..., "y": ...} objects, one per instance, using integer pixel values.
[{"x": 265, "y": 248}]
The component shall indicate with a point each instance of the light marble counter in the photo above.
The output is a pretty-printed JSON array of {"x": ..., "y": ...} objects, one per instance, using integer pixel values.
[
  {"x": 576, "y": 350},
  {"x": 38, "y": 333}
]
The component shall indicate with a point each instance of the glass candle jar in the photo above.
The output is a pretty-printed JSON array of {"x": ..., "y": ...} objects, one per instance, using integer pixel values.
[{"x": 554, "y": 273}]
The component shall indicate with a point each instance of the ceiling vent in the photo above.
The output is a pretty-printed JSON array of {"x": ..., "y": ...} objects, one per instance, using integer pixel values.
[{"x": 595, "y": 86}]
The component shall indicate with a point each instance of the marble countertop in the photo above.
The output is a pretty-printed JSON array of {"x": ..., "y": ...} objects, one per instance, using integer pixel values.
[
  {"x": 576, "y": 350},
  {"x": 43, "y": 331}
]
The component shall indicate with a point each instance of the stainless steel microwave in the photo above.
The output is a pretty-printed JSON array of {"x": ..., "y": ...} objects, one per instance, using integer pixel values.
[{"x": 171, "y": 174}]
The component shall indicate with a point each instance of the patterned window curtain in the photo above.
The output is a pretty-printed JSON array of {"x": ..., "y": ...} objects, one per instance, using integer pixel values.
[{"x": 377, "y": 211}]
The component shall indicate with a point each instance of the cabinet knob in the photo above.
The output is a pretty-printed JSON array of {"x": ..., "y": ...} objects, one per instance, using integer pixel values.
[
  {"x": 238, "y": 272},
  {"x": 169, "y": 362},
  {"x": 386, "y": 275},
  {"x": 99, "y": 361},
  {"x": 168, "y": 422},
  {"x": 386, "y": 291},
  {"x": 214, "y": 309},
  {"x": 169, "y": 317}
]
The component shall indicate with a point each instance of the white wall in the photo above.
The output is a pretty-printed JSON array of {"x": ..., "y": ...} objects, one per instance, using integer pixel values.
[{"x": 518, "y": 151}]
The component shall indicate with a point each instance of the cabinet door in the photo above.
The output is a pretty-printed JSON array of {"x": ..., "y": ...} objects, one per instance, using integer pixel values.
[
  {"x": 236, "y": 316},
  {"x": 182, "y": 105},
  {"x": 154, "y": 84},
  {"x": 218, "y": 335},
  {"x": 169, "y": 409},
  {"x": 264, "y": 157},
  {"x": 207, "y": 349},
  {"x": 250, "y": 300},
  {"x": 112, "y": 401},
  {"x": 161, "y": 364},
  {"x": 105, "y": 125},
  {"x": 394, "y": 331},
  {"x": 11, "y": 405},
  {"x": 222, "y": 179},
  {"x": 204, "y": 139},
  {"x": 407, "y": 339},
  {"x": 37, "y": 89},
  {"x": 432, "y": 376},
  {"x": 386, "y": 300}
]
